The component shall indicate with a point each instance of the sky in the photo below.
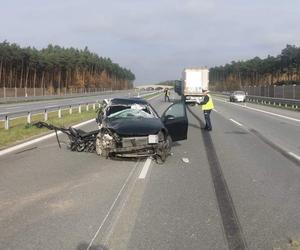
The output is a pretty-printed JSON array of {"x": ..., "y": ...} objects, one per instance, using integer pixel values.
[{"x": 156, "y": 39}]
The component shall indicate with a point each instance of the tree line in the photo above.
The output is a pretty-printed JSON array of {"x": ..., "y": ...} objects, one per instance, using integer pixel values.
[
  {"x": 281, "y": 69},
  {"x": 58, "y": 67}
]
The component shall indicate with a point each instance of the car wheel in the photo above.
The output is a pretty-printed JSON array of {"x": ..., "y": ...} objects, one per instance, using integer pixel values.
[{"x": 165, "y": 149}]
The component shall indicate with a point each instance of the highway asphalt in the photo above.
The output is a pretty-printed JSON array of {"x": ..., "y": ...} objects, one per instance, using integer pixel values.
[{"x": 239, "y": 190}]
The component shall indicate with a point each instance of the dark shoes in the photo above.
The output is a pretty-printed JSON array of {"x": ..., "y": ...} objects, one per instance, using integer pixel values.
[{"x": 206, "y": 128}]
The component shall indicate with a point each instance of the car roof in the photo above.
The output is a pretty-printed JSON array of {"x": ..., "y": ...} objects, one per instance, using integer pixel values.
[{"x": 128, "y": 101}]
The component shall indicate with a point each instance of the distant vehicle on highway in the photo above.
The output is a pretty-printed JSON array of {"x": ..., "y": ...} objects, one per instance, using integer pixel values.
[
  {"x": 237, "y": 96},
  {"x": 194, "y": 81},
  {"x": 132, "y": 128}
]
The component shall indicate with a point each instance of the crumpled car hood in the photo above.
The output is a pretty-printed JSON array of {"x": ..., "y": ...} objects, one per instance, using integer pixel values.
[{"x": 135, "y": 126}]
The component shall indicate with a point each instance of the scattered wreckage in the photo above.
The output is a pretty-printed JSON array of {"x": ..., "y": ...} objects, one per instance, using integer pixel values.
[{"x": 130, "y": 127}]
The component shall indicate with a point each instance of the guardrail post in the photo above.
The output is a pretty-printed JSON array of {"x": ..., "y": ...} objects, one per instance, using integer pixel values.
[
  {"x": 6, "y": 125},
  {"x": 294, "y": 91},
  {"x": 79, "y": 109},
  {"x": 94, "y": 106},
  {"x": 59, "y": 113},
  {"x": 87, "y": 107},
  {"x": 70, "y": 110},
  {"x": 46, "y": 115},
  {"x": 29, "y": 117}
]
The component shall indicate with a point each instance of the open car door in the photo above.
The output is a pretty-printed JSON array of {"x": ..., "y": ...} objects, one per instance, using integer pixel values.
[{"x": 175, "y": 120}]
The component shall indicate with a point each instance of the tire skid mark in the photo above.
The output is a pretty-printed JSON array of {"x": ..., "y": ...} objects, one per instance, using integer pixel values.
[{"x": 231, "y": 225}]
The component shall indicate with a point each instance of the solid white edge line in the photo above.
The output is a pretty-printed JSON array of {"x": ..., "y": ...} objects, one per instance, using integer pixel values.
[
  {"x": 25, "y": 144},
  {"x": 270, "y": 113},
  {"x": 259, "y": 110},
  {"x": 112, "y": 206},
  {"x": 145, "y": 169},
  {"x": 294, "y": 155},
  {"x": 235, "y": 122}
]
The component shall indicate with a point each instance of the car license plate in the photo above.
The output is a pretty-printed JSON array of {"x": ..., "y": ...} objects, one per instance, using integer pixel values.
[{"x": 152, "y": 139}]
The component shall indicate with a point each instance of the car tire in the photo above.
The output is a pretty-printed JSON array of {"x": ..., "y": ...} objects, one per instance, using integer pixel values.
[{"x": 165, "y": 150}]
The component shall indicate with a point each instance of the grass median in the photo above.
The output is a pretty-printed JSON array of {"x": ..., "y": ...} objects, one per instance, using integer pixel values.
[{"x": 19, "y": 129}]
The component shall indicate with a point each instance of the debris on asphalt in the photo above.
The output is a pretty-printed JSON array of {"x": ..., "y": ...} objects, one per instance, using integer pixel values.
[
  {"x": 185, "y": 159},
  {"x": 295, "y": 244}
]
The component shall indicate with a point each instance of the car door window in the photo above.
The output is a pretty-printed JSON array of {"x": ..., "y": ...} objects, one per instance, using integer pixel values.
[{"x": 175, "y": 111}]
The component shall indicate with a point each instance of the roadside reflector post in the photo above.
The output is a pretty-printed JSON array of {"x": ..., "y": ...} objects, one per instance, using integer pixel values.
[
  {"x": 6, "y": 125},
  {"x": 87, "y": 107},
  {"x": 79, "y": 109},
  {"x": 59, "y": 113},
  {"x": 70, "y": 110},
  {"x": 46, "y": 115},
  {"x": 29, "y": 117},
  {"x": 94, "y": 106}
]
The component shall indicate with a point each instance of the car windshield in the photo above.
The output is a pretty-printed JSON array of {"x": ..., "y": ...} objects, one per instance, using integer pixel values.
[
  {"x": 131, "y": 113},
  {"x": 239, "y": 93}
]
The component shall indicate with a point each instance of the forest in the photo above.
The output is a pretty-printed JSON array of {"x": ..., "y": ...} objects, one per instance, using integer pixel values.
[
  {"x": 58, "y": 68},
  {"x": 273, "y": 70}
]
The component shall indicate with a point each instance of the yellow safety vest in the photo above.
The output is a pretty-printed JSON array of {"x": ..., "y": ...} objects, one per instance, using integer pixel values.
[{"x": 209, "y": 105}]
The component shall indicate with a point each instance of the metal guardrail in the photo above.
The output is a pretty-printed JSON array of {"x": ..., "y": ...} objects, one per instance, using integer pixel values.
[
  {"x": 281, "y": 102},
  {"x": 293, "y": 103},
  {"x": 45, "y": 110}
]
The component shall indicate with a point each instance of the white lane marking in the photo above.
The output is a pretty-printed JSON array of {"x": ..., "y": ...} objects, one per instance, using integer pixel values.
[
  {"x": 113, "y": 205},
  {"x": 153, "y": 97},
  {"x": 262, "y": 111},
  {"x": 270, "y": 113},
  {"x": 145, "y": 169},
  {"x": 294, "y": 155},
  {"x": 25, "y": 144},
  {"x": 236, "y": 122}
]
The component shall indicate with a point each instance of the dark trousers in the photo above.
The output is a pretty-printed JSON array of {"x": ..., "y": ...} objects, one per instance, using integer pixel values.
[
  {"x": 207, "y": 119},
  {"x": 167, "y": 97}
]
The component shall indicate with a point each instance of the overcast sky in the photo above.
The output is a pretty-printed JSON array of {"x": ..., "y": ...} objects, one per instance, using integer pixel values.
[{"x": 156, "y": 39}]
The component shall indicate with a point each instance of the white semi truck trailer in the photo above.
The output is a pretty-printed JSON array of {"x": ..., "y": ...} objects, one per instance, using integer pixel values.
[{"x": 194, "y": 81}]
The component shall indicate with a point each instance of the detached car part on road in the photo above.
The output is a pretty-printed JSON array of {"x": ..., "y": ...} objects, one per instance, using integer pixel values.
[
  {"x": 129, "y": 128},
  {"x": 132, "y": 128},
  {"x": 79, "y": 140}
]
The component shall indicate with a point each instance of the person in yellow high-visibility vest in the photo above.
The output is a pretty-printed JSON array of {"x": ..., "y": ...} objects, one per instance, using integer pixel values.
[{"x": 207, "y": 106}]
